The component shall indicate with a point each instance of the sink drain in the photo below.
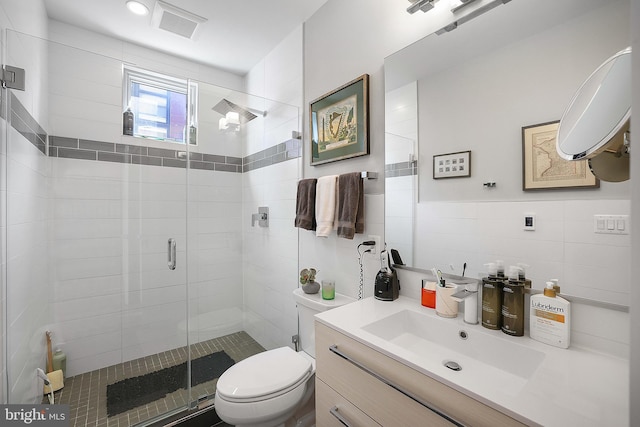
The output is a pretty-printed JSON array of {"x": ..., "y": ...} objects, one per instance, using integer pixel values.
[{"x": 454, "y": 366}]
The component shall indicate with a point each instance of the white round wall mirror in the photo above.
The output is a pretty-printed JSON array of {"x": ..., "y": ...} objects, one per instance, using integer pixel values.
[{"x": 596, "y": 122}]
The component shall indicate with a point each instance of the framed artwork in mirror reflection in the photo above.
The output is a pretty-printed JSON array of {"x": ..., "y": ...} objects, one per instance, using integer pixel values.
[
  {"x": 542, "y": 166},
  {"x": 452, "y": 165}
]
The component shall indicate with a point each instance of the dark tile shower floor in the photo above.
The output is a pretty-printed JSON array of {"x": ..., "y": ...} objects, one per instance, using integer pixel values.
[{"x": 87, "y": 393}]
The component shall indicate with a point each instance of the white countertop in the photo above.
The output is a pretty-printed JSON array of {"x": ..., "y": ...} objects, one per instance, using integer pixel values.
[{"x": 570, "y": 387}]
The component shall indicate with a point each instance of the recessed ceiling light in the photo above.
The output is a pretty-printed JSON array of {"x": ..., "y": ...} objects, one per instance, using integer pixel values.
[{"x": 137, "y": 7}]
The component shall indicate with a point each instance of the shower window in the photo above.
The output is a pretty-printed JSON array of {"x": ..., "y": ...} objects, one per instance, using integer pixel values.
[{"x": 160, "y": 106}]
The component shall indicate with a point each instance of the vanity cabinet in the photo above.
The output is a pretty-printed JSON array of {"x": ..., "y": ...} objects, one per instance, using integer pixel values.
[{"x": 361, "y": 385}]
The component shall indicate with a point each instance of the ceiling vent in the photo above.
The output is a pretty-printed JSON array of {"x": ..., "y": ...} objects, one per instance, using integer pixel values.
[{"x": 175, "y": 20}]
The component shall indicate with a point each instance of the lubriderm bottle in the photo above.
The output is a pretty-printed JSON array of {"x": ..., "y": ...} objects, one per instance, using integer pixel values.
[{"x": 549, "y": 318}]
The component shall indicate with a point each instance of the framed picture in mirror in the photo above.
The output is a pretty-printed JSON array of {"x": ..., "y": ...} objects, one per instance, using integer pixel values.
[
  {"x": 340, "y": 123},
  {"x": 452, "y": 165},
  {"x": 542, "y": 166}
]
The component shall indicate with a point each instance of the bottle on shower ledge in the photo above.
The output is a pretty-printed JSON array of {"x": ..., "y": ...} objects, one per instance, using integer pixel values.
[
  {"x": 127, "y": 122},
  {"x": 59, "y": 361}
]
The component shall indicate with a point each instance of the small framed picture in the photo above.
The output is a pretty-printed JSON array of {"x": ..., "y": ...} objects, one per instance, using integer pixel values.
[{"x": 452, "y": 165}]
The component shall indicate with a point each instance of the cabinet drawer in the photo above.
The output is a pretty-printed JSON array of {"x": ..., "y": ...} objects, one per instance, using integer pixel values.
[
  {"x": 386, "y": 405},
  {"x": 328, "y": 400}
]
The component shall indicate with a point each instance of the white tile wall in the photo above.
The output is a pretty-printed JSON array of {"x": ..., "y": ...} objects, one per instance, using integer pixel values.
[
  {"x": 25, "y": 212},
  {"x": 400, "y": 205},
  {"x": 27, "y": 265},
  {"x": 215, "y": 254},
  {"x": 270, "y": 262},
  {"x": 337, "y": 258},
  {"x": 270, "y": 254},
  {"x": 563, "y": 246}
]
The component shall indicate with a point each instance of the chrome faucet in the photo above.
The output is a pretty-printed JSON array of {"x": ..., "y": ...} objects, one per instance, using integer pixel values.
[{"x": 468, "y": 295}]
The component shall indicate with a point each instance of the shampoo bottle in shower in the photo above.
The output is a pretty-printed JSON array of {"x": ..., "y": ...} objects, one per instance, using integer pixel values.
[
  {"x": 492, "y": 298},
  {"x": 59, "y": 361},
  {"x": 513, "y": 304},
  {"x": 127, "y": 122},
  {"x": 549, "y": 318}
]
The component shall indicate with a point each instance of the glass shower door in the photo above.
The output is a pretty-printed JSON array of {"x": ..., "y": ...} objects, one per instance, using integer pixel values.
[
  {"x": 139, "y": 255},
  {"x": 97, "y": 243}
]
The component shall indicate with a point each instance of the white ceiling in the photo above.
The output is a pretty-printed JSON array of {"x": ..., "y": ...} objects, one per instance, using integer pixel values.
[{"x": 236, "y": 36}]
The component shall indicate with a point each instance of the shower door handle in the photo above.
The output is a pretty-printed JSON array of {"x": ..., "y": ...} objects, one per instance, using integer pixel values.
[{"x": 171, "y": 254}]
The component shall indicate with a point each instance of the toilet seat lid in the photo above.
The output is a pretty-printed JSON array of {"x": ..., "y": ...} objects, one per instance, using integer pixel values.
[{"x": 263, "y": 374}]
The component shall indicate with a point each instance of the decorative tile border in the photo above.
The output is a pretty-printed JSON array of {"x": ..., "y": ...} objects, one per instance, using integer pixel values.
[
  {"x": 74, "y": 148},
  {"x": 394, "y": 170},
  {"x": 26, "y": 125},
  {"x": 83, "y": 149},
  {"x": 288, "y": 150}
]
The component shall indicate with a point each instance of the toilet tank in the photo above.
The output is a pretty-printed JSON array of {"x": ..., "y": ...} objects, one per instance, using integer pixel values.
[{"x": 308, "y": 306}]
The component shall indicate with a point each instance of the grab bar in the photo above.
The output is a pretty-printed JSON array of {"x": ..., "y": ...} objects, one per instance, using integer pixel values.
[
  {"x": 171, "y": 254},
  {"x": 334, "y": 349},
  {"x": 334, "y": 411}
]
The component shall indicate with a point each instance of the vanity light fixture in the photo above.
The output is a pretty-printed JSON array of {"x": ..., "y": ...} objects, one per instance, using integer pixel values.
[
  {"x": 468, "y": 15},
  {"x": 137, "y": 7},
  {"x": 458, "y": 4},
  {"x": 423, "y": 5}
]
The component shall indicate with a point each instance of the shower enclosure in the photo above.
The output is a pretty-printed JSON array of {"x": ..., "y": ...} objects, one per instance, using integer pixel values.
[{"x": 138, "y": 254}]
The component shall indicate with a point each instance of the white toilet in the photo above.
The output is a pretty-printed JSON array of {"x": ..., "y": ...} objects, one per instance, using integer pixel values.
[{"x": 267, "y": 389}]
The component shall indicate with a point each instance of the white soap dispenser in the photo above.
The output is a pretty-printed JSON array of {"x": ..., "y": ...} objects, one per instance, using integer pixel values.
[{"x": 549, "y": 318}]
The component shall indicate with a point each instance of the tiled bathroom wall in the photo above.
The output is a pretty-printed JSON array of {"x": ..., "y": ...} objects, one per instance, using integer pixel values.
[
  {"x": 27, "y": 218},
  {"x": 271, "y": 254},
  {"x": 117, "y": 200}
]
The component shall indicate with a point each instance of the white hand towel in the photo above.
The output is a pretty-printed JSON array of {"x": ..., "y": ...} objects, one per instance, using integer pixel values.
[{"x": 326, "y": 204}]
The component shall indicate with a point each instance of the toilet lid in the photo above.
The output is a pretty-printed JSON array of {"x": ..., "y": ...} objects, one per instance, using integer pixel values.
[{"x": 264, "y": 374}]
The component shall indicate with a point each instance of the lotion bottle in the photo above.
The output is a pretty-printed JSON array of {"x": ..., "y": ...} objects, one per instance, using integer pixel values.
[
  {"x": 549, "y": 318},
  {"x": 492, "y": 298},
  {"x": 522, "y": 273},
  {"x": 513, "y": 304}
]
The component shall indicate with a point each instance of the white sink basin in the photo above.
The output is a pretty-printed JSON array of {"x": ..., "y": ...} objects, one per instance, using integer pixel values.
[{"x": 483, "y": 355}]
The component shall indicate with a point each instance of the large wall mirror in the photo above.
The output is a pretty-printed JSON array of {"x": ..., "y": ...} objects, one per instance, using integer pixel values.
[{"x": 475, "y": 89}]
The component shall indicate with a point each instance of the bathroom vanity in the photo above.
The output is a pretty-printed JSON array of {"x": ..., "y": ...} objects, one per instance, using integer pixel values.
[{"x": 389, "y": 363}]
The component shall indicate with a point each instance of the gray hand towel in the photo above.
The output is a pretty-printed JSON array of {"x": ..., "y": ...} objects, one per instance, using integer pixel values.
[
  {"x": 306, "y": 204},
  {"x": 350, "y": 217}
]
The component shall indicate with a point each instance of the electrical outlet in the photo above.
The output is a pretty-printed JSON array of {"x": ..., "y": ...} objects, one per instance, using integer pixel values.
[{"x": 376, "y": 248}]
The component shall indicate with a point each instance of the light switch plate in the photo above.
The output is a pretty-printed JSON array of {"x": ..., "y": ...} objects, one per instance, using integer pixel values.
[{"x": 611, "y": 224}]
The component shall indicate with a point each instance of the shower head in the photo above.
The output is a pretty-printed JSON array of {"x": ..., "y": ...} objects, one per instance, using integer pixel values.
[{"x": 225, "y": 106}]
